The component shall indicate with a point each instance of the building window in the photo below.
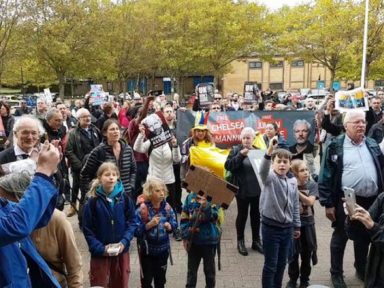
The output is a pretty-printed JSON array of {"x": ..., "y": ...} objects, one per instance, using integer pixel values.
[
  {"x": 276, "y": 86},
  {"x": 276, "y": 64},
  {"x": 255, "y": 65},
  {"x": 298, "y": 63},
  {"x": 379, "y": 83}
]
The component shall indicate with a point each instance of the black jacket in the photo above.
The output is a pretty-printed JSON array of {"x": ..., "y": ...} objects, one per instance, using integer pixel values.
[{"x": 103, "y": 153}]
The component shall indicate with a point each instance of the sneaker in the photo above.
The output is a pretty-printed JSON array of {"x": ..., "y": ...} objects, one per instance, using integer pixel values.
[
  {"x": 291, "y": 284},
  {"x": 304, "y": 284},
  {"x": 338, "y": 281},
  {"x": 71, "y": 211},
  {"x": 177, "y": 235}
]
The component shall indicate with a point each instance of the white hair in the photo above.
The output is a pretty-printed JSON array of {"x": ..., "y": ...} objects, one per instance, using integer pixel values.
[
  {"x": 247, "y": 130},
  {"x": 80, "y": 112},
  {"x": 26, "y": 119},
  {"x": 351, "y": 114}
]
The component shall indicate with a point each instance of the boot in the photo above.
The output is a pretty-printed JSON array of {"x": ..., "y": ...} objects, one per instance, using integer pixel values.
[
  {"x": 241, "y": 247},
  {"x": 257, "y": 246},
  {"x": 71, "y": 211}
]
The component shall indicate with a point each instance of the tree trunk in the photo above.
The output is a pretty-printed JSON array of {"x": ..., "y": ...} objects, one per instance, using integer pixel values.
[
  {"x": 61, "y": 85},
  {"x": 333, "y": 75}
]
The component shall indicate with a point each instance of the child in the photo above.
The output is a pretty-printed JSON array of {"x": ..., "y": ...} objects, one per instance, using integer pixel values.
[
  {"x": 279, "y": 209},
  {"x": 306, "y": 245},
  {"x": 109, "y": 226},
  {"x": 200, "y": 235},
  {"x": 156, "y": 221}
]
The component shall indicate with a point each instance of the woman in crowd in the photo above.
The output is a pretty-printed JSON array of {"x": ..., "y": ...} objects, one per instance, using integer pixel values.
[
  {"x": 7, "y": 120},
  {"x": 111, "y": 149},
  {"x": 123, "y": 115},
  {"x": 249, "y": 190},
  {"x": 272, "y": 130},
  {"x": 109, "y": 226},
  {"x": 374, "y": 222}
]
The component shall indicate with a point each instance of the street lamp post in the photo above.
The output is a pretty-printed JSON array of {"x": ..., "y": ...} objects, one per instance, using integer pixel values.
[{"x": 362, "y": 81}]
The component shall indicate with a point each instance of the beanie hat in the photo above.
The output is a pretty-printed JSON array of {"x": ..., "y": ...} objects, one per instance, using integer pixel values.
[{"x": 15, "y": 183}]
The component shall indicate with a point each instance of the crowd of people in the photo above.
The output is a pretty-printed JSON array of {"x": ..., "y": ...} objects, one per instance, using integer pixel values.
[{"x": 123, "y": 187}]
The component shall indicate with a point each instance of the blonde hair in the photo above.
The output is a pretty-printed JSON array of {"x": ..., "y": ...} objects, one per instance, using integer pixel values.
[
  {"x": 295, "y": 166},
  {"x": 96, "y": 182},
  {"x": 150, "y": 185}
]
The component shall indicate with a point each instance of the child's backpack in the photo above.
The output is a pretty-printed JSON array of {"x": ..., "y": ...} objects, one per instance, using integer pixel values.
[{"x": 144, "y": 213}]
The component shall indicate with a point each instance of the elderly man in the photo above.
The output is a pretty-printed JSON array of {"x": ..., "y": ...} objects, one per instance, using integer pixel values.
[
  {"x": 350, "y": 160},
  {"x": 374, "y": 114},
  {"x": 26, "y": 132},
  {"x": 81, "y": 142},
  {"x": 41, "y": 109},
  {"x": 68, "y": 121}
]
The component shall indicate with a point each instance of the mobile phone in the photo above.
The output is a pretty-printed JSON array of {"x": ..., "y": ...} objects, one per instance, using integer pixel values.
[
  {"x": 350, "y": 200},
  {"x": 113, "y": 250}
]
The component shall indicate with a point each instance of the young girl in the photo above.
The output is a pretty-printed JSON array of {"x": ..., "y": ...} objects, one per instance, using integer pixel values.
[
  {"x": 306, "y": 245},
  {"x": 109, "y": 226},
  {"x": 156, "y": 221}
]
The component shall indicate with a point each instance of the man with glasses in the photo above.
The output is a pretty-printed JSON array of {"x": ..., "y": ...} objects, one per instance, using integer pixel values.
[
  {"x": 81, "y": 142},
  {"x": 354, "y": 161}
]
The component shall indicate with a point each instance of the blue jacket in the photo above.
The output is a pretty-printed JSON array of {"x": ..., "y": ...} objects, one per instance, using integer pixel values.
[
  {"x": 205, "y": 220},
  {"x": 17, "y": 221},
  {"x": 103, "y": 225},
  {"x": 154, "y": 241}
]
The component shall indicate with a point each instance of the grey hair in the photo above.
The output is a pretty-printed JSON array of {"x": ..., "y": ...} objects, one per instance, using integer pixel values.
[
  {"x": 300, "y": 122},
  {"x": 23, "y": 119},
  {"x": 52, "y": 112},
  {"x": 353, "y": 114},
  {"x": 247, "y": 130},
  {"x": 81, "y": 111}
]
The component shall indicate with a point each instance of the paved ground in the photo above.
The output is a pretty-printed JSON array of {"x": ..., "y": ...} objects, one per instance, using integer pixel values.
[{"x": 237, "y": 270}]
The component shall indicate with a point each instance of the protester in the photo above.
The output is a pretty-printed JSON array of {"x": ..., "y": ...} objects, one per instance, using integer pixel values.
[
  {"x": 200, "y": 235},
  {"x": 310, "y": 104},
  {"x": 249, "y": 190},
  {"x": 350, "y": 160},
  {"x": 81, "y": 141},
  {"x": 21, "y": 264},
  {"x": 280, "y": 221},
  {"x": 123, "y": 116},
  {"x": 23, "y": 109},
  {"x": 374, "y": 114},
  {"x": 373, "y": 222},
  {"x": 306, "y": 245},
  {"x": 109, "y": 226},
  {"x": 69, "y": 122},
  {"x": 55, "y": 242},
  {"x": 161, "y": 161},
  {"x": 7, "y": 122},
  {"x": 113, "y": 149},
  {"x": 108, "y": 113},
  {"x": 41, "y": 109},
  {"x": 156, "y": 221}
]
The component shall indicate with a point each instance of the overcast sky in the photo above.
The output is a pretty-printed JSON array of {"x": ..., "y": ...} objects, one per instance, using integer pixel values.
[{"x": 276, "y": 4}]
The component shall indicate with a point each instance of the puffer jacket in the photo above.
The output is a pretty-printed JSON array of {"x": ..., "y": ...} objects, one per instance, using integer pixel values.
[{"x": 161, "y": 159}]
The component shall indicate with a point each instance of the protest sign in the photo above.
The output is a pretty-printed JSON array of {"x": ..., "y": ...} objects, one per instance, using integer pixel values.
[
  {"x": 351, "y": 99},
  {"x": 48, "y": 96},
  {"x": 157, "y": 130},
  {"x": 97, "y": 94},
  {"x": 204, "y": 183},
  {"x": 205, "y": 94},
  {"x": 255, "y": 157},
  {"x": 251, "y": 93},
  {"x": 226, "y": 126}
]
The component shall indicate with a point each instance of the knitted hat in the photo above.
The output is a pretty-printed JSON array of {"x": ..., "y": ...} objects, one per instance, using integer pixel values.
[{"x": 15, "y": 183}]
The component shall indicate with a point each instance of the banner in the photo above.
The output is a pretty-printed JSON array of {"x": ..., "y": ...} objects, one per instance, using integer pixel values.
[
  {"x": 226, "y": 126},
  {"x": 351, "y": 99}
]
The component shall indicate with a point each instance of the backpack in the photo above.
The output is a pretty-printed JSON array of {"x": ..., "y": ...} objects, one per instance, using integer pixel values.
[
  {"x": 144, "y": 213},
  {"x": 228, "y": 175}
]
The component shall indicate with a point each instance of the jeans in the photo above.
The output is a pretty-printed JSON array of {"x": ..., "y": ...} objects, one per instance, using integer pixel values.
[
  {"x": 277, "y": 244},
  {"x": 242, "y": 215},
  {"x": 195, "y": 254},
  {"x": 154, "y": 268},
  {"x": 75, "y": 188},
  {"x": 141, "y": 177}
]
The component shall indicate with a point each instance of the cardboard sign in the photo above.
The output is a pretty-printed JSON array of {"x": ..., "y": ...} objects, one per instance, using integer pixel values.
[
  {"x": 255, "y": 157},
  {"x": 157, "y": 129},
  {"x": 204, "y": 183},
  {"x": 251, "y": 93},
  {"x": 48, "y": 96},
  {"x": 351, "y": 99},
  {"x": 97, "y": 94},
  {"x": 205, "y": 94}
]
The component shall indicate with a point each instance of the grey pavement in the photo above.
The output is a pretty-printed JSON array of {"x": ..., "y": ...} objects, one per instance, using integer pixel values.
[{"x": 237, "y": 270}]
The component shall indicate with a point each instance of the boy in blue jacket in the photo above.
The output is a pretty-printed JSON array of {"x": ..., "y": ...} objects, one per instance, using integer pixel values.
[
  {"x": 200, "y": 235},
  {"x": 280, "y": 215}
]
